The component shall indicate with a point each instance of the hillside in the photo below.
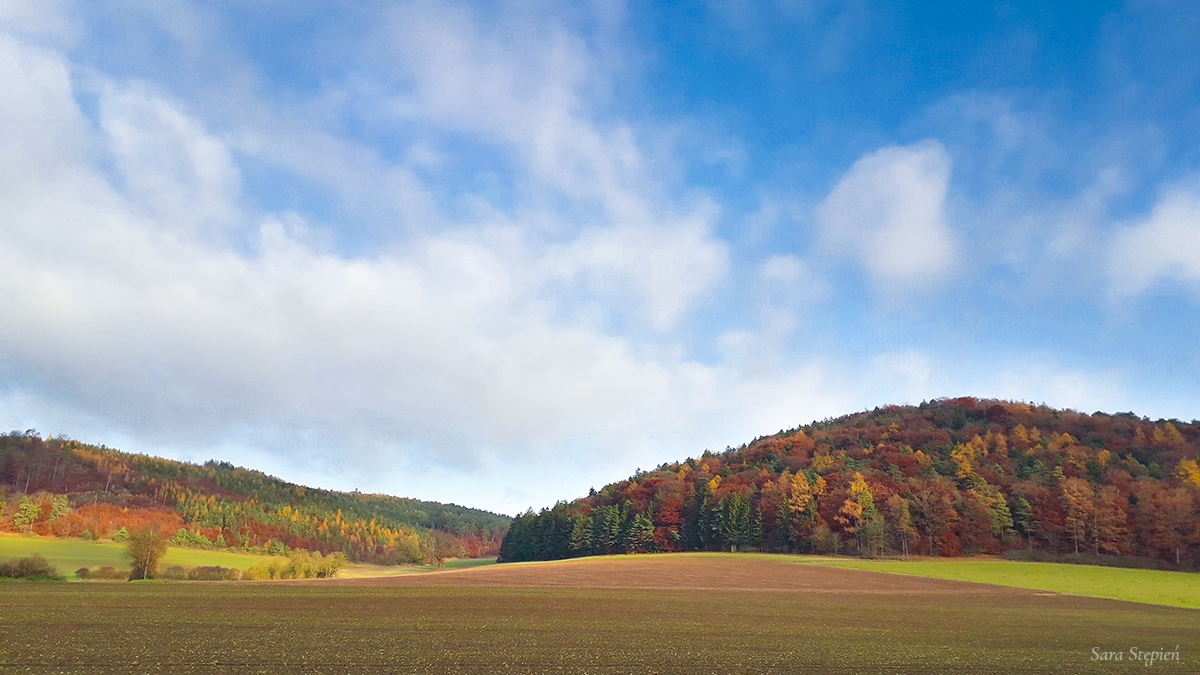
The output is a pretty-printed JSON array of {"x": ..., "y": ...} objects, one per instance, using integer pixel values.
[
  {"x": 67, "y": 488},
  {"x": 945, "y": 478}
]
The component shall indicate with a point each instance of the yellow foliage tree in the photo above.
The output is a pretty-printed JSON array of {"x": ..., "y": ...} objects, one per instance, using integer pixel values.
[
  {"x": 804, "y": 493},
  {"x": 821, "y": 462},
  {"x": 1167, "y": 434},
  {"x": 1189, "y": 472}
]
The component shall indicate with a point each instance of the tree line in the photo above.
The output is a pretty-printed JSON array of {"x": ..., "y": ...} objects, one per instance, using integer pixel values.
[{"x": 946, "y": 478}]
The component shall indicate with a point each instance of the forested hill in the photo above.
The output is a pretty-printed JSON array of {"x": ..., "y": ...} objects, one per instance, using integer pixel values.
[
  {"x": 948, "y": 477},
  {"x": 64, "y": 487}
]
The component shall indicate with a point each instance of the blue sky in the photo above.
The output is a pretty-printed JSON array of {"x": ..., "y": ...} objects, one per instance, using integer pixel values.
[{"x": 498, "y": 253}]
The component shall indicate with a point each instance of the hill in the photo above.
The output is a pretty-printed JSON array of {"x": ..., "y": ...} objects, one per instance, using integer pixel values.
[
  {"x": 67, "y": 488},
  {"x": 945, "y": 478}
]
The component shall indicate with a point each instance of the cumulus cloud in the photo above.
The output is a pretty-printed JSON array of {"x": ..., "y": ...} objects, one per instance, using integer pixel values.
[
  {"x": 183, "y": 175},
  {"x": 456, "y": 353},
  {"x": 1165, "y": 246},
  {"x": 444, "y": 267},
  {"x": 888, "y": 212}
]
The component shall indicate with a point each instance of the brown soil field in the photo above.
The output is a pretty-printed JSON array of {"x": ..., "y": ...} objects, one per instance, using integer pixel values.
[
  {"x": 628, "y": 614},
  {"x": 689, "y": 572}
]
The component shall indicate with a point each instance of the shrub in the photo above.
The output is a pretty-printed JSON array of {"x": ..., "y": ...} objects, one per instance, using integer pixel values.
[
  {"x": 1103, "y": 559},
  {"x": 83, "y": 572},
  {"x": 274, "y": 569},
  {"x": 306, "y": 565},
  {"x": 33, "y": 567},
  {"x": 108, "y": 572},
  {"x": 214, "y": 573},
  {"x": 174, "y": 573},
  {"x": 121, "y": 535},
  {"x": 300, "y": 565}
]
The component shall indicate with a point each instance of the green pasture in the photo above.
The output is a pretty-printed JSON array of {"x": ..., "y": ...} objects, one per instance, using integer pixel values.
[
  {"x": 69, "y": 555},
  {"x": 1157, "y": 587}
]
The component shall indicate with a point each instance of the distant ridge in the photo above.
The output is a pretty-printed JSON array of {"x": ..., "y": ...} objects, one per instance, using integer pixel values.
[
  {"x": 68, "y": 488},
  {"x": 948, "y": 477}
]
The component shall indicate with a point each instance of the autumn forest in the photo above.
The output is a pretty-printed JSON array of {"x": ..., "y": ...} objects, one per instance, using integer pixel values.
[
  {"x": 62, "y": 487},
  {"x": 949, "y": 477},
  {"x": 945, "y": 478}
]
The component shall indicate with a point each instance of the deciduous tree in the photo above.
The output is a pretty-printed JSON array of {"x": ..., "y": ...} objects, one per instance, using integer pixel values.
[
  {"x": 1078, "y": 499},
  {"x": 144, "y": 549}
]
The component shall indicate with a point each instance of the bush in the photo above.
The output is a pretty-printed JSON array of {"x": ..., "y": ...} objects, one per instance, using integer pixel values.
[
  {"x": 33, "y": 567},
  {"x": 174, "y": 573},
  {"x": 274, "y": 569},
  {"x": 121, "y": 535},
  {"x": 214, "y": 573},
  {"x": 1103, "y": 560},
  {"x": 108, "y": 572},
  {"x": 300, "y": 565},
  {"x": 83, "y": 572},
  {"x": 305, "y": 565}
]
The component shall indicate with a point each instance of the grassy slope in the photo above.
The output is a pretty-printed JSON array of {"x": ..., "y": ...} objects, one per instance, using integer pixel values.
[
  {"x": 69, "y": 555},
  {"x": 1174, "y": 589}
]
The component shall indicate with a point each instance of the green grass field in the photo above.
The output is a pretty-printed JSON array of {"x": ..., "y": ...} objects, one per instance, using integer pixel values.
[
  {"x": 1174, "y": 589},
  {"x": 609, "y": 616},
  {"x": 69, "y": 555}
]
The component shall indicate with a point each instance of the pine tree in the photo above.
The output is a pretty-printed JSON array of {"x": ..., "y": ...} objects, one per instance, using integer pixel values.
[
  {"x": 734, "y": 522},
  {"x": 59, "y": 508},
  {"x": 641, "y": 534},
  {"x": 581, "y": 535}
]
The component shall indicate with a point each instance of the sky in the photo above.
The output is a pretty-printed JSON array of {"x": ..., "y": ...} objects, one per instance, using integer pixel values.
[{"x": 496, "y": 254}]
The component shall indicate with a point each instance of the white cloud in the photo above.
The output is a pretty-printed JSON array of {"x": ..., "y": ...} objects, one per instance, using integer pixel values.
[
  {"x": 447, "y": 355},
  {"x": 40, "y": 19},
  {"x": 498, "y": 344},
  {"x": 185, "y": 176},
  {"x": 909, "y": 369},
  {"x": 1041, "y": 378},
  {"x": 888, "y": 212},
  {"x": 1165, "y": 246}
]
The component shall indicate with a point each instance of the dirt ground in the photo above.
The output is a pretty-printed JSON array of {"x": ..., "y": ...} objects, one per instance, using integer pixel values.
[
  {"x": 690, "y": 573},
  {"x": 624, "y": 614}
]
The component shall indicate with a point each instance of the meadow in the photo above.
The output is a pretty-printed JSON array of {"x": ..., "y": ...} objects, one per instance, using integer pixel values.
[
  {"x": 1175, "y": 589},
  {"x": 651, "y": 614},
  {"x": 69, "y": 555}
]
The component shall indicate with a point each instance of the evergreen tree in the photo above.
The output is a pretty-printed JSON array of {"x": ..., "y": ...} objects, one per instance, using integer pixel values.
[
  {"x": 733, "y": 522},
  {"x": 641, "y": 534},
  {"x": 581, "y": 535}
]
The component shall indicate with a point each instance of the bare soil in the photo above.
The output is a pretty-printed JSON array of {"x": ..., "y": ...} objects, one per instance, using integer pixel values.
[{"x": 691, "y": 573}]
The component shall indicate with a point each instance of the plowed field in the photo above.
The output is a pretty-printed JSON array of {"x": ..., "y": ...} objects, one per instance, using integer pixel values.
[{"x": 628, "y": 614}]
